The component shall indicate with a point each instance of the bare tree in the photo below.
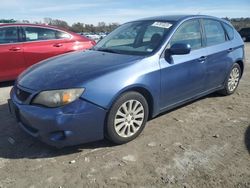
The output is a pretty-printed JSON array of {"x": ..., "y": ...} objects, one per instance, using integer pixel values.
[{"x": 78, "y": 27}]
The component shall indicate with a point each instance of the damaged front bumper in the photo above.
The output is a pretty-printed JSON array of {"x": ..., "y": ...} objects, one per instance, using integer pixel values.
[{"x": 76, "y": 123}]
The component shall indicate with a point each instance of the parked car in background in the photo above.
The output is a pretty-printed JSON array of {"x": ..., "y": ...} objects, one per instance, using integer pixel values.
[
  {"x": 245, "y": 34},
  {"x": 102, "y": 35},
  {"x": 93, "y": 36},
  {"x": 139, "y": 70},
  {"x": 22, "y": 45}
]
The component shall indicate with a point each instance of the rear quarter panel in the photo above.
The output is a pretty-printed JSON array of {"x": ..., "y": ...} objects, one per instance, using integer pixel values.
[
  {"x": 237, "y": 43},
  {"x": 78, "y": 43}
]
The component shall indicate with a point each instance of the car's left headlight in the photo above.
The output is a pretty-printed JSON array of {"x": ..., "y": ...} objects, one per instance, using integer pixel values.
[{"x": 56, "y": 98}]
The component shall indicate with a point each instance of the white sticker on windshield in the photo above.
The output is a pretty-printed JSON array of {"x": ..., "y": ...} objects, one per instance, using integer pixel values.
[{"x": 162, "y": 24}]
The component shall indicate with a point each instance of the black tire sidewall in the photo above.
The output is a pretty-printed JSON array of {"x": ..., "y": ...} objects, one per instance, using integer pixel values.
[{"x": 110, "y": 132}]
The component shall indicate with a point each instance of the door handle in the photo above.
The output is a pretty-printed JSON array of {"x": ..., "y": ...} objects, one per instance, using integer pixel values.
[
  {"x": 202, "y": 59},
  {"x": 230, "y": 50},
  {"x": 15, "y": 49},
  {"x": 57, "y": 45}
]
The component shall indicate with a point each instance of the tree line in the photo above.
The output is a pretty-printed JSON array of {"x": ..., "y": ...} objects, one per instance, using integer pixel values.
[
  {"x": 239, "y": 23},
  {"x": 80, "y": 27},
  {"x": 77, "y": 27}
]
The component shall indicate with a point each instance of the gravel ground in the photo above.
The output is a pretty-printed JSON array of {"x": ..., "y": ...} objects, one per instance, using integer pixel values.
[{"x": 203, "y": 144}]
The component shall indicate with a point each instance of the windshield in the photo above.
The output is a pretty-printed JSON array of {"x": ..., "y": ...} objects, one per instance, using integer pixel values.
[{"x": 135, "y": 38}]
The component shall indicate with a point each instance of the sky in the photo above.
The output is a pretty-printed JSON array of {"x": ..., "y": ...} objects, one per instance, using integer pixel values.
[{"x": 118, "y": 11}]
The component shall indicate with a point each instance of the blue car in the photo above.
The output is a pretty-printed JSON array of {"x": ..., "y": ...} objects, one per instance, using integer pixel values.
[{"x": 141, "y": 69}]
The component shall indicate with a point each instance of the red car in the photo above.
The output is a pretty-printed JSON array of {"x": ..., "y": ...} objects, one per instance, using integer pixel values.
[{"x": 22, "y": 45}]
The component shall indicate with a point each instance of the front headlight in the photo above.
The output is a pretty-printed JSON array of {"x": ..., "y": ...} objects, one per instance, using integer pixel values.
[{"x": 56, "y": 98}]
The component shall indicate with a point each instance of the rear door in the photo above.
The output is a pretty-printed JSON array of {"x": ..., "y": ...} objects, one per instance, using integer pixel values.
[
  {"x": 219, "y": 50},
  {"x": 183, "y": 76},
  {"x": 11, "y": 53},
  {"x": 41, "y": 43}
]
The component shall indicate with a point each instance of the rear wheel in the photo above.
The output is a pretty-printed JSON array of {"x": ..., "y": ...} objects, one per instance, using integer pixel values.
[
  {"x": 127, "y": 118},
  {"x": 232, "y": 81}
]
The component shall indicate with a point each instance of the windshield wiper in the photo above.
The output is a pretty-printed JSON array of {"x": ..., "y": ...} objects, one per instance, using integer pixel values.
[{"x": 107, "y": 50}]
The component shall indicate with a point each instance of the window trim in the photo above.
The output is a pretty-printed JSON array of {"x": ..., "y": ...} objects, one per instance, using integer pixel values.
[{"x": 223, "y": 25}]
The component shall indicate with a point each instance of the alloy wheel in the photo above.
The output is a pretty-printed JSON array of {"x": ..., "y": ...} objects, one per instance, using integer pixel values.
[
  {"x": 129, "y": 118},
  {"x": 233, "y": 79}
]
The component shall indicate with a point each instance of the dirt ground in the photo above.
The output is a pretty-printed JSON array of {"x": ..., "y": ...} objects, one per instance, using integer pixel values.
[{"x": 203, "y": 144}]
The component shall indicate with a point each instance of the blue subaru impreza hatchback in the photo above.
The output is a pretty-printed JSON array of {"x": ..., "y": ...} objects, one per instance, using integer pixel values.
[{"x": 141, "y": 69}]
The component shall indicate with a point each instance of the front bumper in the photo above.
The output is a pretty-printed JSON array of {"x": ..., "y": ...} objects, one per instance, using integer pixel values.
[{"x": 76, "y": 123}]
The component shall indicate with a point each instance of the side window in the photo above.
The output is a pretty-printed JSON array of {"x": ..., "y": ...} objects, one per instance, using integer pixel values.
[
  {"x": 214, "y": 31},
  {"x": 8, "y": 35},
  {"x": 229, "y": 30},
  {"x": 37, "y": 33},
  {"x": 62, "y": 35},
  {"x": 188, "y": 33}
]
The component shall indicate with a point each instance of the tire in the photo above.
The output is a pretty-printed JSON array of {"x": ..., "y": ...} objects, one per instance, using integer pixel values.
[
  {"x": 123, "y": 122},
  {"x": 232, "y": 80}
]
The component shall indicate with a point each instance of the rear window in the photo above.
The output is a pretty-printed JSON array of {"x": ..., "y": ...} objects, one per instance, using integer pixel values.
[
  {"x": 215, "y": 33},
  {"x": 229, "y": 30}
]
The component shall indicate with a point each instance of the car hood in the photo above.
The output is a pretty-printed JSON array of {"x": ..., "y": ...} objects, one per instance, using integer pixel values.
[{"x": 72, "y": 70}]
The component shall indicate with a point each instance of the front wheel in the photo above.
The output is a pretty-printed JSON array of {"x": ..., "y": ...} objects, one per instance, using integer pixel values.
[
  {"x": 127, "y": 118},
  {"x": 232, "y": 81}
]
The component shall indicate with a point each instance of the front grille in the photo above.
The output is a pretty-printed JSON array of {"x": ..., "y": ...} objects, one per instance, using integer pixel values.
[{"x": 22, "y": 95}]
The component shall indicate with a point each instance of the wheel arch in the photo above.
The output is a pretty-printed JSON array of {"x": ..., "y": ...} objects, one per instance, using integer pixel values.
[
  {"x": 144, "y": 92},
  {"x": 241, "y": 64}
]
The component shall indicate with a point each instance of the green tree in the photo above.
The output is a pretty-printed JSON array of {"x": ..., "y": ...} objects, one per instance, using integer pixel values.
[{"x": 7, "y": 21}]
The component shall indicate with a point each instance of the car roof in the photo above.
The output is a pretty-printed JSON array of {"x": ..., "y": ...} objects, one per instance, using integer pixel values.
[
  {"x": 35, "y": 25},
  {"x": 178, "y": 18}
]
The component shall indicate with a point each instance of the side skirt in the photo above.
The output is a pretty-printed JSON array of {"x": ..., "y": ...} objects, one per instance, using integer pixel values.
[{"x": 170, "y": 107}]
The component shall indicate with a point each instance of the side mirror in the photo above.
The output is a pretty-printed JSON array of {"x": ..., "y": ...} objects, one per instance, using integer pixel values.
[{"x": 179, "y": 49}]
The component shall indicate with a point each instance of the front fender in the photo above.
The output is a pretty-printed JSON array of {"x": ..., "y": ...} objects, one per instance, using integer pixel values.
[{"x": 105, "y": 89}]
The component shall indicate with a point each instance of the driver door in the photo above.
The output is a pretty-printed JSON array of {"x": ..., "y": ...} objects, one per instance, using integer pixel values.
[{"x": 183, "y": 76}]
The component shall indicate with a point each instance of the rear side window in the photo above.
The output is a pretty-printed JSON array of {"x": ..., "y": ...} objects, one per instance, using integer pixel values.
[
  {"x": 188, "y": 33},
  {"x": 8, "y": 35},
  {"x": 37, "y": 34},
  {"x": 229, "y": 30},
  {"x": 214, "y": 31},
  {"x": 62, "y": 35}
]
